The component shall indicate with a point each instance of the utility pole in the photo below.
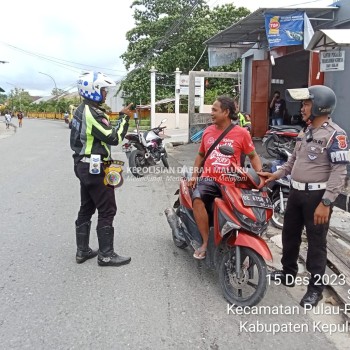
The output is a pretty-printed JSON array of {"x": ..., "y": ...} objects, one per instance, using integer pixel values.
[{"x": 18, "y": 91}]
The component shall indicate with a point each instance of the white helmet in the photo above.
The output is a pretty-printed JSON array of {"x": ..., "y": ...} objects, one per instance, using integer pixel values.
[{"x": 90, "y": 84}]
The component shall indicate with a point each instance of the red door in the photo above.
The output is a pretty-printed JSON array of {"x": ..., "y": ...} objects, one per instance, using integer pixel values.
[{"x": 261, "y": 73}]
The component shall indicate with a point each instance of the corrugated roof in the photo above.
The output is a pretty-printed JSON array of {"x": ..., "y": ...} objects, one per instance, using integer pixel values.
[
  {"x": 251, "y": 29},
  {"x": 329, "y": 38}
]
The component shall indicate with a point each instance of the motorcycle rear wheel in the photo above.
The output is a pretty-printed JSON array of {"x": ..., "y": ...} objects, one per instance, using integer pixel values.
[
  {"x": 278, "y": 217},
  {"x": 165, "y": 160},
  {"x": 137, "y": 162},
  {"x": 251, "y": 287}
]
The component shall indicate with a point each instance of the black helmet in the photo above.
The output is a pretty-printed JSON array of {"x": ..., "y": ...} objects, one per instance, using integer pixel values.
[{"x": 323, "y": 98}]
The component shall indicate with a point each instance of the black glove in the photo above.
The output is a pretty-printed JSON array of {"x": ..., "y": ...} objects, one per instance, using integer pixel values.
[{"x": 123, "y": 115}]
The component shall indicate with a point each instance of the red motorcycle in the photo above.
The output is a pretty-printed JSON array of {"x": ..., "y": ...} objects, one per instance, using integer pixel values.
[
  {"x": 282, "y": 136},
  {"x": 237, "y": 222}
]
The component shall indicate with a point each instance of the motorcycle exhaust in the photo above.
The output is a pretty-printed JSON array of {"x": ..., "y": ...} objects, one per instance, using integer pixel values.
[{"x": 174, "y": 223}]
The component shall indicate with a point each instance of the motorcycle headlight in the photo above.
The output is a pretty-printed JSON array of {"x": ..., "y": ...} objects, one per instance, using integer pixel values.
[
  {"x": 228, "y": 226},
  {"x": 253, "y": 226}
]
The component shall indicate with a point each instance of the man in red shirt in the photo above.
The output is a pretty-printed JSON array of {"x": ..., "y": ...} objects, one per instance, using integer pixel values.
[{"x": 206, "y": 190}]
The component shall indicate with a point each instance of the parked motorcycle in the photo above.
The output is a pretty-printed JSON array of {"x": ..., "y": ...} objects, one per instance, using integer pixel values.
[
  {"x": 237, "y": 222},
  {"x": 66, "y": 118},
  {"x": 145, "y": 149},
  {"x": 283, "y": 136},
  {"x": 278, "y": 189}
]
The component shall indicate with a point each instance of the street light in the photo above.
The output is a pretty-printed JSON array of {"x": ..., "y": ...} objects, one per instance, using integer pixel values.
[
  {"x": 52, "y": 80},
  {"x": 56, "y": 92}
]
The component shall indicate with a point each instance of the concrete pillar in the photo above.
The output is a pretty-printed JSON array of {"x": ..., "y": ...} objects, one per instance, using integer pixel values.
[
  {"x": 153, "y": 97},
  {"x": 201, "y": 96},
  {"x": 177, "y": 98}
]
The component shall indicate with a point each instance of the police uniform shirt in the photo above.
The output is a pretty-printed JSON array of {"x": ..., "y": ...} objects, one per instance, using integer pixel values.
[{"x": 320, "y": 155}]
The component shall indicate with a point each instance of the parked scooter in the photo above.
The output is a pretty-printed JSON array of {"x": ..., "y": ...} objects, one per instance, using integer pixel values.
[
  {"x": 278, "y": 189},
  {"x": 280, "y": 136},
  {"x": 145, "y": 149},
  {"x": 237, "y": 222}
]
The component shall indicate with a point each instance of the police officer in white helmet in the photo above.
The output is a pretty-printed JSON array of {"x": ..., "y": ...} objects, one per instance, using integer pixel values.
[{"x": 91, "y": 138}]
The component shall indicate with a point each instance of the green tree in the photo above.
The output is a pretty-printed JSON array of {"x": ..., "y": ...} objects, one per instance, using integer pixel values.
[
  {"x": 170, "y": 34},
  {"x": 3, "y": 98},
  {"x": 19, "y": 100}
]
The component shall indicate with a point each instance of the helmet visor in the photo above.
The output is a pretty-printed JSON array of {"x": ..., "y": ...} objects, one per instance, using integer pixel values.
[{"x": 294, "y": 95}]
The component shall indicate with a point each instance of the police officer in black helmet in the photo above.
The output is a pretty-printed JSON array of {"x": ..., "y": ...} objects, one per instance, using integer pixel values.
[
  {"x": 318, "y": 170},
  {"x": 91, "y": 139}
]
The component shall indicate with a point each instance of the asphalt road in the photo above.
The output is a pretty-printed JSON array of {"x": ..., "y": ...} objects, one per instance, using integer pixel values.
[{"x": 163, "y": 300}]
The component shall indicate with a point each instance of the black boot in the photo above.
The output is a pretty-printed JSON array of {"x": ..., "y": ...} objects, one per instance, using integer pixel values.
[
  {"x": 84, "y": 252},
  {"x": 106, "y": 254},
  {"x": 311, "y": 299}
]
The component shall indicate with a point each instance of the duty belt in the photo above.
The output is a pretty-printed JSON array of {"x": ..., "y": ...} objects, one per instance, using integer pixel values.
[
  {"x": 308, "y": 186},
  {"x": 87, "y": 160},
  {"x": 105, "y": 162}
]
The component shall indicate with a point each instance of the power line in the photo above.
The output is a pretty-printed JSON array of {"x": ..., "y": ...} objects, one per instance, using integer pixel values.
[
  {"x": 58, "y": 61},
  {"x": 169, "y": 32},
  {"x": 303, "y": 3}
]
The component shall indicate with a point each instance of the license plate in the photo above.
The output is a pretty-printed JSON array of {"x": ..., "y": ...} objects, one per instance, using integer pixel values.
[{"x": 253, "y": 200}]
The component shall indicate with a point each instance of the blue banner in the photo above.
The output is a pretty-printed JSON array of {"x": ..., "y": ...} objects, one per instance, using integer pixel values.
[{"x": 285, "y": 30}]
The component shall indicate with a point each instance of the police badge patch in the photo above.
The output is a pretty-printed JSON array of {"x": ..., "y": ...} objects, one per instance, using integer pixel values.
[
  {"x": 113, "y": 174},
  {"x": 338, "y": 152}
]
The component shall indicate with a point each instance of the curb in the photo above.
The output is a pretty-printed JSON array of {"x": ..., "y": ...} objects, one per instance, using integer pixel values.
[{"x": 175, "y": 143}]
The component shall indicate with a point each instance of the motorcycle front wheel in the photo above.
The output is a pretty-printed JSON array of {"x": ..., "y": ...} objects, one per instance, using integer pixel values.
[
  {"x": 270, "y": 145},
  {"x": 278, "y": 215},
  {"x": 137, "y": 162},
  {"x": 178, "y": 243},
  {"x": 250, "y": 288}
]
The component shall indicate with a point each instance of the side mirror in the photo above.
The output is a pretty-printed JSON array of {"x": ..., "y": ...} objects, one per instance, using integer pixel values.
[{"x": 226, "y": 150}]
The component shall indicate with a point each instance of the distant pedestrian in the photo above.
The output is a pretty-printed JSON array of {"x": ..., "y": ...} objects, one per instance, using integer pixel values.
[
  {"x": 277, "y": 108},
  {"x": 20, "y": 118},
  {"x": 7, "y": 119}
]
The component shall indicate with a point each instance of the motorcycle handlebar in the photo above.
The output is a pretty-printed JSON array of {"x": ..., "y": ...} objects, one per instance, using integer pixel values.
[
  {"x": 239, "y": 176},
  {"x": 158, "y": 129}
]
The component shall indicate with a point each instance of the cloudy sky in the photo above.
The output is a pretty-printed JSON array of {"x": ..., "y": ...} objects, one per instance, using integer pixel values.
[{"x": 65, "y": 37}]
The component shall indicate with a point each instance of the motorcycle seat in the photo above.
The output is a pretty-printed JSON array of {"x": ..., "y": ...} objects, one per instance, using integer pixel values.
[{"x": 286, "y": 127}]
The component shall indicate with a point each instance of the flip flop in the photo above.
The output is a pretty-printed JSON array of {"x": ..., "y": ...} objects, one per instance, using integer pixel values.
[{"x": 200, "y": 254}]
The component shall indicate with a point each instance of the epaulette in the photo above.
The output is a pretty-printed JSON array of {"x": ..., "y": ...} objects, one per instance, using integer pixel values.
[{"x": 332, "y": 125}]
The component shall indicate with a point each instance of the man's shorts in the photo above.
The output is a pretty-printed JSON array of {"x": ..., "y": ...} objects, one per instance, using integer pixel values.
[{"x": 207, "y": 190}]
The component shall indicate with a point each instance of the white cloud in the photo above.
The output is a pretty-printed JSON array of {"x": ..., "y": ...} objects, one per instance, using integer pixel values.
[{"x": 86, "y": 32}]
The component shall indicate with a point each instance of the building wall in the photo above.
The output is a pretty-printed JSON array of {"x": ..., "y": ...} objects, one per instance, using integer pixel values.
[
  {"x": 339, "y": 82},
  {"x": 247, "y": 59},
  {"x": 114, "y": 100},
  {"x": 170, "y": 123}
]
